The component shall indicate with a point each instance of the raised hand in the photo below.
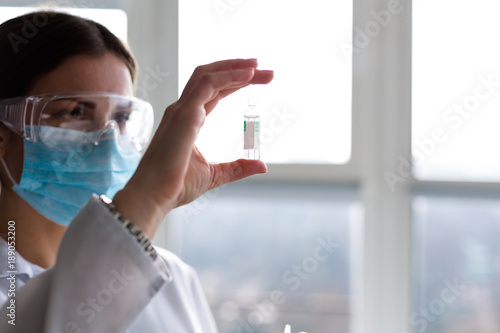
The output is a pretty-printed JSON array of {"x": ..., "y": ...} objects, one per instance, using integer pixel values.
[{"x": 173, "y": 172}]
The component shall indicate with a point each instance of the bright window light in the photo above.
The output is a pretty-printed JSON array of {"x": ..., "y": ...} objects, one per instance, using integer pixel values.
[
  {"x": 305, "y": 112},
  {"x": 456, "y": 90},
  {"x": 113, "y": 19}
]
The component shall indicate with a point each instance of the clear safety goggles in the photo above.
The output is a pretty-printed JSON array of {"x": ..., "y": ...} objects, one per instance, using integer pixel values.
[{"x": 92, "y": 113}]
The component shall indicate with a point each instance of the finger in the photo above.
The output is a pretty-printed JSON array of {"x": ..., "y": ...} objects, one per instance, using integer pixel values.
[
  {"x": 210, "y": 86},
  {"x": 218, "y": 66},
  {"x": 260, "y": 77},
  {"x": 223, "y": 93},
  {"x": 183, "y": 127},
  {"x": 176, "y": 135},
  {"x": 224, "y": 173},
  {"x": 225, "y": 65}
]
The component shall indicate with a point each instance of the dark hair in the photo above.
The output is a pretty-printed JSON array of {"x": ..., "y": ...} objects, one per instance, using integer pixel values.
[{"x": 36, "y": 43}]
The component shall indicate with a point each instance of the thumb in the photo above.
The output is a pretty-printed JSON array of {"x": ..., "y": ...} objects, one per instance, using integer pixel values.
[{"x": 225, "y": 173}]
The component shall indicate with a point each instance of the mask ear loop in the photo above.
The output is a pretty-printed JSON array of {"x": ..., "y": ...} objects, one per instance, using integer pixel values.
[{"x": 7, "y": 171}]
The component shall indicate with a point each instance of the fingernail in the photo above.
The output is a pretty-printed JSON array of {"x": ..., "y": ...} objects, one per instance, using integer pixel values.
[{"x": 266, "y": 169}]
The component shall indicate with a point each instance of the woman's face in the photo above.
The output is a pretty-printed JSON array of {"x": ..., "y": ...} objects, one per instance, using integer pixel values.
[{"x": 81, "y": 73}]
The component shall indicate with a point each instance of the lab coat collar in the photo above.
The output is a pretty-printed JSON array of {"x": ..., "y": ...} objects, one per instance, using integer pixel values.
[{"x": 22, "y": 268}]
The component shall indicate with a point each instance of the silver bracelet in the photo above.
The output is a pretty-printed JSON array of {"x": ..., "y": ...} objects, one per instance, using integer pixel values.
[{"x": 140, "y": 236}]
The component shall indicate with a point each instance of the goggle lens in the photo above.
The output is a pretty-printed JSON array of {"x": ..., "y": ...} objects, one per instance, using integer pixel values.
[{"x": 131, "y": 118}]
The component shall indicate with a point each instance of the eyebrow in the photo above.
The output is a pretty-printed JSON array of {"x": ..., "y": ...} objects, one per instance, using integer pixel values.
[
  {"x": 86, "y": 103},
  {"x": 126, "y": 105}
]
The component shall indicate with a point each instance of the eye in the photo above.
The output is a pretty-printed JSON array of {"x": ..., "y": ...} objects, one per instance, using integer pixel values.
[
  {"x": 69, "y": 113},
  {"x": 122, "y": 117},
  {"x": 77, "y": 112}
]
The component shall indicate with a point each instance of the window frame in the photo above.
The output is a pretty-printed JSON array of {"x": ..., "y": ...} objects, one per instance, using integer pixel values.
[{"x": 381, "y": 135}]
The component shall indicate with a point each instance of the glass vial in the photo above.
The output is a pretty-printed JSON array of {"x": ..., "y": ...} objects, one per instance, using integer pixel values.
[{"x": 251, "y": 137}]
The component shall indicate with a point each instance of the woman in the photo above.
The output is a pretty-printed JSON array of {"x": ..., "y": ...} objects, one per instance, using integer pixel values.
[{"x": 69, "y": 127}]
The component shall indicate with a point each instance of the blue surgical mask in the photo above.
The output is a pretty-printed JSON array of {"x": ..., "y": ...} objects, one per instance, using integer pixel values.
[{"x": 58, "y": 183}]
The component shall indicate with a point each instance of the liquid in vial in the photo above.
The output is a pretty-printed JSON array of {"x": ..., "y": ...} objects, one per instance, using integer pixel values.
[{"x": 251, "y": 137}]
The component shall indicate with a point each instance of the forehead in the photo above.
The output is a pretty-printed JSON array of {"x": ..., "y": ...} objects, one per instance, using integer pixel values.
[{"x": 83, "y": 73}]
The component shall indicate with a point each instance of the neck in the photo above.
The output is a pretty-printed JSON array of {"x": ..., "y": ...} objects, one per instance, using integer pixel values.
[{"x": 37, "y": 238}]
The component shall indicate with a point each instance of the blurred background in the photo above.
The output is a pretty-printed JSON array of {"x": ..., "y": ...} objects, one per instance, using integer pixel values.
[{"x": 380, "y": 211}]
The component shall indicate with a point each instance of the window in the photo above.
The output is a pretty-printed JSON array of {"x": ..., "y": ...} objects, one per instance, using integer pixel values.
[
  {"x": 456, "y": 220},
  {"x": 271, "y": 254},
  {"x": 455, "y": 87},
  {"x": 393, "y": 153},
  {"x": 115, "y": 20},
  {"x": 268, "y": 266},
  {"x": 306, "y": 111},
  {"x": 457, "y": 263}
]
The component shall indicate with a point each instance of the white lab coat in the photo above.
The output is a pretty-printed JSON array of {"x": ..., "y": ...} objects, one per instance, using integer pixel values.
[{"x": 103, "y": 282}]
